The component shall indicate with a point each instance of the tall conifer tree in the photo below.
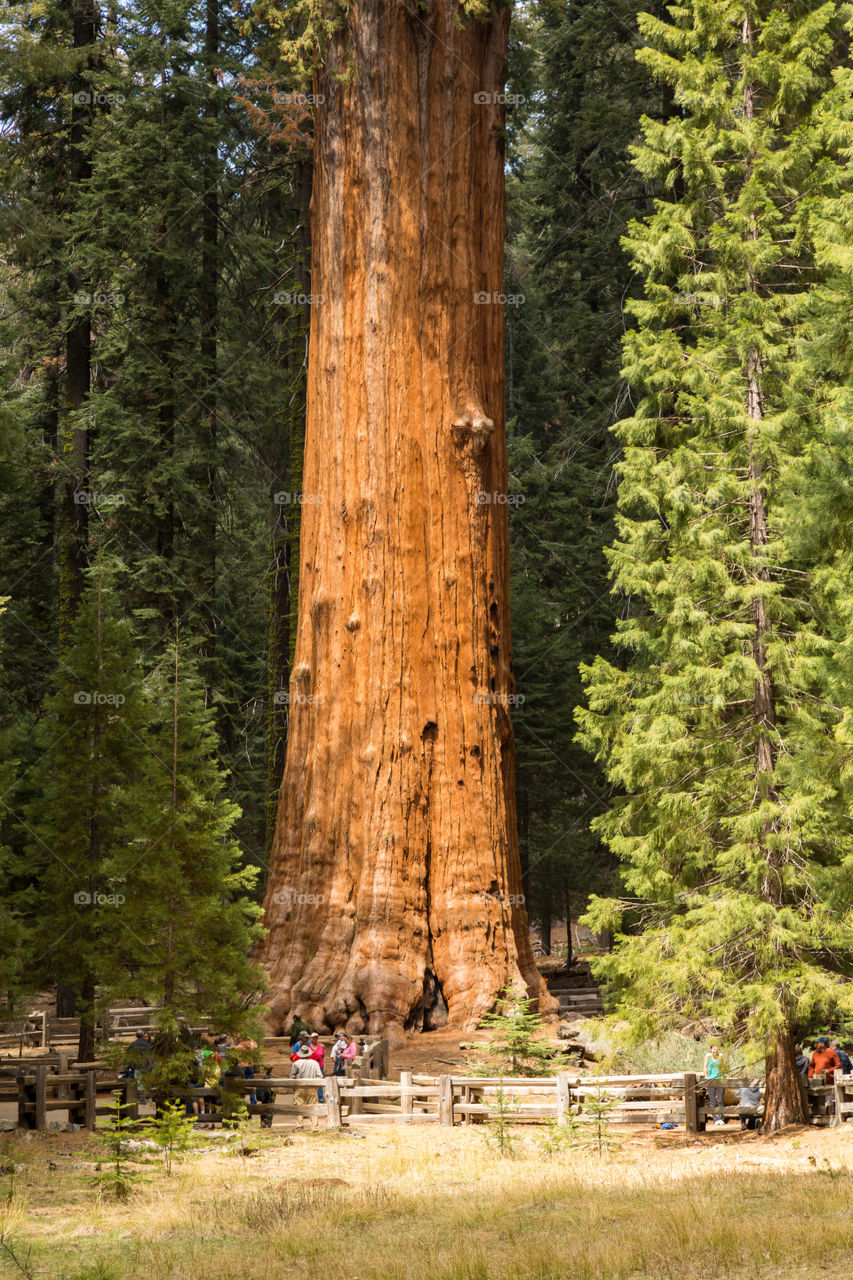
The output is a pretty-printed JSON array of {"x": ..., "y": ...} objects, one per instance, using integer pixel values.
[
  {"x": 93, "y": 742},
  {"x": 723, "y": 830},
  {"x": 192, "y": 921}
]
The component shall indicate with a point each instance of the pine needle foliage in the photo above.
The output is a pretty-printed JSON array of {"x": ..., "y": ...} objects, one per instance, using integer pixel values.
[{"x": 732, "y": 840}]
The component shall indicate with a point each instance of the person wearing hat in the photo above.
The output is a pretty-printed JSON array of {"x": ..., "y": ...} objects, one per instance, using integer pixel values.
[
  {"x": 306, "y": 1068},
  {"x": 825, "y": 1061}
]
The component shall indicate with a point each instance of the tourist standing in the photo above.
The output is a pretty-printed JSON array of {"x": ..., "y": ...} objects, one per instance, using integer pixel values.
[
  {"x": 306, "y": 1068},
  {"x": 715, "y": 1087}
]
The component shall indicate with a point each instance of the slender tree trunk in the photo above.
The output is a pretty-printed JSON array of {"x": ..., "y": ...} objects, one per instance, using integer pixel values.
[
  {"x": 74, "y": 524},
  {"x": 545, "y": 921},
  {"x": 86, "y": 1040},
  {"x": 567, "y": 899},
  {"x": 209, "y": 298},
  {"x": 395, "y": 864},
  {"x": 783, "y": 1102}
]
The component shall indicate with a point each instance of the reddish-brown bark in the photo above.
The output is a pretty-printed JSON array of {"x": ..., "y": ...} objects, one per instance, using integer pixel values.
[
  {"x": 393, "y": 896},
  {"x": 783, "y": 1098}
]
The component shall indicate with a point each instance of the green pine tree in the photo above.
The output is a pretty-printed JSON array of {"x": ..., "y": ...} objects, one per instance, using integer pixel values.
[
  {"x": 92, "y": 740},
  {"x": 187, "y": 892},
  {"x": 727, "y": 830}
]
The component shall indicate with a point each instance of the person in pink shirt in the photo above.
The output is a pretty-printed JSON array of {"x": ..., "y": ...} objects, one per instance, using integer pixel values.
[
  {"x": 318, "y": 1050},
  {"x": 318, "y": 1053},
  {"x": 351, "y": 1050}
]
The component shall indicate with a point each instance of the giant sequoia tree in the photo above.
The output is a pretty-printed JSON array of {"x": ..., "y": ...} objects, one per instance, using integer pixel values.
[{"x": 394, "y": 894}]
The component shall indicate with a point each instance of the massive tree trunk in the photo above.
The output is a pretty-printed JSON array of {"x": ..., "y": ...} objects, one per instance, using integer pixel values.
[{"x": 394, "y": 897}]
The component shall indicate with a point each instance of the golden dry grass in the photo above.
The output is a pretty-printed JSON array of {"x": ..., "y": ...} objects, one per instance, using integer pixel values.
[{"x": 432, "y": 1204}]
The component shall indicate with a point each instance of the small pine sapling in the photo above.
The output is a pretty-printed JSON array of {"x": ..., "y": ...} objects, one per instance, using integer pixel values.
[
  {"x": 515, "y": 1049},
  {"x": 119, "y": 1178},
  {"x": 500, "y": 1131},
  {"x": 174, "y": 1132},
  {"x": 598, "y": 1108}
]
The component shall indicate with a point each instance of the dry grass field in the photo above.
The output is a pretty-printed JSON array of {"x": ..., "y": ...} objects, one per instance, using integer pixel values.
[{"x": 431, "y": 1204}]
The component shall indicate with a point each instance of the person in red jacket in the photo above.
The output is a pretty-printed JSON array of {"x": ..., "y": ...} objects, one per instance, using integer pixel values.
[
  {"x": 318, "y": 1053},
  {"x": 825, "y": 1061}
]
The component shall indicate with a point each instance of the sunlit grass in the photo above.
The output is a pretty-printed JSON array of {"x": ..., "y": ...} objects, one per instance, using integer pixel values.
[{"x": 439, "y": 1205}]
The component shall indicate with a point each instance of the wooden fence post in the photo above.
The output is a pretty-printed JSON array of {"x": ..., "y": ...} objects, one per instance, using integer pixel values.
[
  {"x": 384, "y": 1063},
  {"x": 333, "y": 1103},
  {"x": 41, "y": 1096},
  {"x": 406, "y": 1092},
  {"x": 445, "y": 1100},
  {"x": 89, "y": 1111},
  {"x": 691, "y": 1106},
  {"x": 563, "y": 1097},
  {"x": 837, "y": 1118},
  {"x": 356, "y": 1106},
  {"x": 131, "y": 1099}
]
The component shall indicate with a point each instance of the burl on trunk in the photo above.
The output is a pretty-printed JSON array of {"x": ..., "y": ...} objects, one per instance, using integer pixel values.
[{"x": 394, "y": 897}]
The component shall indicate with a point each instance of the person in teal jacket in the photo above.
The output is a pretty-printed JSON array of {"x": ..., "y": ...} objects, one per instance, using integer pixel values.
[{"x": 715, "y": 1088}]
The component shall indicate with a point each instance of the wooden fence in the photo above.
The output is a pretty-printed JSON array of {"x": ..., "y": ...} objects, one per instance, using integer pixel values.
[
  {"x": 38, "y": 1092},
  {"x": 362, "y": 1097}
]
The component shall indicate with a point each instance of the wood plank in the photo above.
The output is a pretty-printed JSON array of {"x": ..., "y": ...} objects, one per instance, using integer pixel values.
[{"x": 416, "y": 1118}]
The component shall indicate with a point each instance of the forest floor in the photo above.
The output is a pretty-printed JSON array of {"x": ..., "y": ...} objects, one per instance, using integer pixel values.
[{"x": 436, "y": 1204}]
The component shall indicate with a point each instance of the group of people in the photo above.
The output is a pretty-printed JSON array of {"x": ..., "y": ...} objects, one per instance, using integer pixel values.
[
  {"x": 215, "y": 1059},
  {"x": 308, "y": 1062},
  {"x": 827, "y": 1058}
]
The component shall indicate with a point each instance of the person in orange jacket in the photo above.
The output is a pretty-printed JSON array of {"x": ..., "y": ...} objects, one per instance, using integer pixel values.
[{"x": 825, "y": 1061}]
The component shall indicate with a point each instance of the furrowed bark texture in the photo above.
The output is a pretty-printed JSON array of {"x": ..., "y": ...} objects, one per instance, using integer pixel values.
[
  {"x": 783, "y": 1100},
  {"x": 393, "y": 892}
]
